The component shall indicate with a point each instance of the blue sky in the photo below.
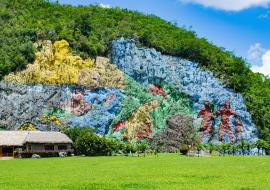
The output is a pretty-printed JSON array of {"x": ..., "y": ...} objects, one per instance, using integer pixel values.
[{"x": 241, "y": 26}]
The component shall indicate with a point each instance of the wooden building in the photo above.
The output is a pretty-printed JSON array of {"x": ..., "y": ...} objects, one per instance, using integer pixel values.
[{"x": 33, "y": 142}]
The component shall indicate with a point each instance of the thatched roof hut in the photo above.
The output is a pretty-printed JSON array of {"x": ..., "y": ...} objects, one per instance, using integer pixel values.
[{"x": 33, "y": 142}]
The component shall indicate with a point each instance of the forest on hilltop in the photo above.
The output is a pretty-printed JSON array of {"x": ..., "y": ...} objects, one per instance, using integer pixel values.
[{"x": 91, "y": 29}]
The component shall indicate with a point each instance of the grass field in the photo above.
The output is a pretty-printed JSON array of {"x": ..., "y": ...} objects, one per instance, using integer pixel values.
[{"x": 167, "y": 171}]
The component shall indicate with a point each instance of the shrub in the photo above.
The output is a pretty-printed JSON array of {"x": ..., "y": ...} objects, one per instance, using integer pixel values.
[{"x": 184, "y": 149}]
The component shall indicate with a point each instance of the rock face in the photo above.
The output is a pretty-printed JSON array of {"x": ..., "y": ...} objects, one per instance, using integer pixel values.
[
  {"x": 144, "y": 112},
  {"x": 20, "y": 104},
  {"x": 142, "y": 96},
  {"x": 50, "y": 107},
  {"x": 140, "y": 124},
  {"x": 179, "y": 130},
  {"x": 103, "y": 106},
  {"x": 147, "y": 66},
  {"x": 54, "y": 64},
  {"x": 60, "y": 89}
]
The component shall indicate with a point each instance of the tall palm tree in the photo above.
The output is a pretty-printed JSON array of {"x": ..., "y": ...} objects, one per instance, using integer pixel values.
[
  {"x": 211, "y": 147},
  {"x": 243, "y": 146},
  {"x": 261, "y": 145},
  {"x": 233, "y": 149},
  {"x": 199, "y": 147}
]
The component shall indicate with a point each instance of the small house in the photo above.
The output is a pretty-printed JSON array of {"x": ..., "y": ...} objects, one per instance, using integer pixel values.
[{"x": 33, "y": 142}]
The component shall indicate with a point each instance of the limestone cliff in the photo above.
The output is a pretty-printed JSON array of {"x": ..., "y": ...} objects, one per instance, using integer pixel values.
[{"x": 137, "y": 96}]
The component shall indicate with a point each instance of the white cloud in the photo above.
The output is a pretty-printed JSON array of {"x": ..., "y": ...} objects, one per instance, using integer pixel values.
[
  {"x": 265, "y": 67},
  {"x": 230, "y": 5},
  {"x": 106, "y": 6},
  {"x": 256, "y": 52},
  {"x": 261, "y": 56}
]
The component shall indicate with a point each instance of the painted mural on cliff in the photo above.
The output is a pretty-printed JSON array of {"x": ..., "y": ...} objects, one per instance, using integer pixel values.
[
  {"x": 227, "y": 121},
  {"x": 132, "y": 99}
]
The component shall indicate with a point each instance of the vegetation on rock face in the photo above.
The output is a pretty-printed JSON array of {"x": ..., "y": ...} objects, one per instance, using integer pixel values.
[{"x": 90, "y": 31}]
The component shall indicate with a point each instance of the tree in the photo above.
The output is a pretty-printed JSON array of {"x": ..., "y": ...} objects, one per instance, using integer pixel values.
[
  {"x": 133, "y": 149},
  {"x": 261, "y": 145},
  {"x": 211, "y": 147},
  {"x": 142, "y": 148},
  {"x": 233, "y": 149},
  {"x": 249, "y": 146},
  {"x": 184, "y": 148},
  {"x": 243, "y": 146},
  {"x": 224, "y": 148},
  {"x": 199, "y": 147},
  {"x": 74, "y": 133},
  {"x": 127, "y": 148},
  {"x": 88, "y": 143}
]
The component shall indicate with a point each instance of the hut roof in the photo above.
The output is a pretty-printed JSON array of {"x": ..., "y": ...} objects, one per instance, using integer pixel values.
[
  {"x": 19, "y": 138},
  {"x": 47, "y": 137},
  {"x": 13, "y": 138}
]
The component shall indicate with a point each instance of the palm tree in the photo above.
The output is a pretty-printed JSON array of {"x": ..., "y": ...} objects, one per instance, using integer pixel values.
[
  {"x": 224, "y": 148},
  {"x": 127, "y": 149},
  {"x": 142, "y": 148},
  {"x": 157, "y": 148},
  {"x": 243, "y": 145},
  {"x": 261, "y": 145},
  {"x": 234, "y": 149},
  {"x": 199, "y": 147},
  {"x": 211, "y": 147},
  {"x": 249, "y": 146},
  {"x": 133, "y": 149},
  {"x": 265, "y": 146}
]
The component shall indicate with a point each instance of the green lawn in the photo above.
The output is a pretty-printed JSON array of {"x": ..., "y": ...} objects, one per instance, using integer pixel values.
[{"x": 168, "y": 171}]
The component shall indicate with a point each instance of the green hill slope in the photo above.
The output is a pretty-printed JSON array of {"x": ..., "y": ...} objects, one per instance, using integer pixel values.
[{"x": 90, "y": 31}]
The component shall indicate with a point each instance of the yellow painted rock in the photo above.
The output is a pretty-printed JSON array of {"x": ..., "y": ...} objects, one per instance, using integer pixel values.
[{"x": 54, "y": 64}]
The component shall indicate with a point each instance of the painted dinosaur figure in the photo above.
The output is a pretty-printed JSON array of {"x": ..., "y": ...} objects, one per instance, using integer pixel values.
[
  {"x": 225, "y": 114},
  {"x": 206, "y": 124}
]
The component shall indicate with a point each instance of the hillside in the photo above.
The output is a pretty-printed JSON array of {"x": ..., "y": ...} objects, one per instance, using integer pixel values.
[{"x": 90, "y": 32}]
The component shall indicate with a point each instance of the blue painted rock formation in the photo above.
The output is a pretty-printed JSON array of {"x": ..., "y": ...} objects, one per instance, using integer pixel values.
[
  {"x": 148, "y": 66},
  {"x": 105, "y": 105}
]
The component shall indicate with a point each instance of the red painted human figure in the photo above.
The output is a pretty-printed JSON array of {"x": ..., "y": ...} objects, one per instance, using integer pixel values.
[
  {"x": 238, "y": 129},
  {"x": 225, "y": 114},
  {"x": 206, "y": 124}
]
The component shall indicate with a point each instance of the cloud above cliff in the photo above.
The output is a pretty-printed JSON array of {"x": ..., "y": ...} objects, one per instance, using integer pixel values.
[
  {"x": 230, "y": 5},
  {"x": 265, "y": 67},
  {"x": 255, "y": 53},
  {"x": 106, "y": 6}
]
